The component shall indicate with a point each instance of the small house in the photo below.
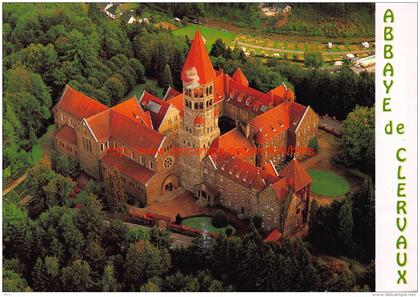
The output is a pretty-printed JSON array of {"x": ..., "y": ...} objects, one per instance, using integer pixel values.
[{"x": 365, "y": 44}]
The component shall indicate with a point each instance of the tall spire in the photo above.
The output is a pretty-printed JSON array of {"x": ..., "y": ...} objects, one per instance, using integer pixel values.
[{"x": 197, "y": 68}]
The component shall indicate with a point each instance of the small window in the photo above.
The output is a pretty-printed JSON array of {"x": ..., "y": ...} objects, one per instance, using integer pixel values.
[{"x": 102, "y": 147}]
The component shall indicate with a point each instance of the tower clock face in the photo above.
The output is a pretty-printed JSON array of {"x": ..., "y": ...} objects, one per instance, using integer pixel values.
[{"x": 168, "y": 162}]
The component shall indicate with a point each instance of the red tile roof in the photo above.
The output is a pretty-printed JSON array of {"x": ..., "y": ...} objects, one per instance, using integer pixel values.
[
  {"x": 219, "y": 87},
  {"x": 99, "y": 124},
  {"x": 281, "y": 189},
  {"x": 78, "y": 104},
  {"x": 235, "y": 143},
  {"x": 198, "y": 67},
  {"x": 240, "y": 77},
  {"x": 296, "y": 111},
  {"x": 241, "y": 171},
  {"x": 269, "y": 124},
  {"x": 156, "y": 107},
  {"x": 296, "y": 176},
  {"x": 68, "y": 134},
  {"x": 132, "y": 109},
  {"x": 278, "y": 94},
  {"x": 136, "y": 135},
  {"x": 178, "y": 102},
  {"x": 170, "y": 93},
  {"x": 128, "y": 167},
  {"x": 247, "y": 98},
  {"x": 274, "y": 236},
  {"x": 269, "y": 167}
]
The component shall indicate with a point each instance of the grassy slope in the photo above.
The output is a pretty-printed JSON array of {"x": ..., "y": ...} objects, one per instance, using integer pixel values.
[
  {"x": 327, "y": 183},
  {"x": 209, "y": 34}
]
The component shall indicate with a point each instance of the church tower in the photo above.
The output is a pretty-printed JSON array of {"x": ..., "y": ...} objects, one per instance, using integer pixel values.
[{"x": 200, "y": 122}]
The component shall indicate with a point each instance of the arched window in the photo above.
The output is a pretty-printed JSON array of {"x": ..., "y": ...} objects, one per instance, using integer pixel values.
[
  {"x": 211, "y": 89},
  {"x": 201, "y": 105},
  {"x": 195, "y": 105}
]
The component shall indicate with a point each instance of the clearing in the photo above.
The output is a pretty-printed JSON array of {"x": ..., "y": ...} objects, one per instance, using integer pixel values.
[{"x": 327, "y": 183}]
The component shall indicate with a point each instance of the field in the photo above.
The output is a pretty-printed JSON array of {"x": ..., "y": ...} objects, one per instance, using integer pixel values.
[
  {"x": 209, "y": 34},
  {"x": 203, "y": 223},
  {"x": 277, "y": 47},
  {"x": 327, "y": 183}
]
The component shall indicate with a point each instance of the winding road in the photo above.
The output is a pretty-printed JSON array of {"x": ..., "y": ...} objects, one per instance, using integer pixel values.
[{"x": 278, "y": 50}]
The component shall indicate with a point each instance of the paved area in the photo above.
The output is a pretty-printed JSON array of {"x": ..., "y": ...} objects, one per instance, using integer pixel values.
[
  {"x": 185, "y": 205},
  {"x": 330, "y": 123}
]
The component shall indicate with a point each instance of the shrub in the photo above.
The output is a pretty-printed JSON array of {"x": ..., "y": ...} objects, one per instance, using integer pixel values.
[
  {"x": 219, "y": 220},
  {"x": 313, "y": 143},
  {"x": 257, "y": 220},
  {"x": 178, "y": 219}
]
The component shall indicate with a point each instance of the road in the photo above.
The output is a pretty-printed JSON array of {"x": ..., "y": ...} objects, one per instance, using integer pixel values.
[
  {"x": 178, "y": 240},
  {"x": 14, "y": 184},
  {"x": 278, "y": 50}
]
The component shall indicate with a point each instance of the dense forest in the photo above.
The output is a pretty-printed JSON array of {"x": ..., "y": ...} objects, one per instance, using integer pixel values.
[
  {"x": 311, "y": 19},
  {"x": 61, "y": 248},
  {"x": 50, "y": 246}
]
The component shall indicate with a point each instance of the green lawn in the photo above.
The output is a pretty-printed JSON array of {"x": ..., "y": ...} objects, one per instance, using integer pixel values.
[
  {"x": 44, "y": 145},
  {"x": 327, "y": 183},
  {"x": 138, "y": 89},
  {"x": 204, "y": 223},
  {"x": 209, "y": 34}
]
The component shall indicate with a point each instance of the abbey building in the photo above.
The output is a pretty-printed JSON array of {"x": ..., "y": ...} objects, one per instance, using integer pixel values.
[{"x": 158, "y": 146}]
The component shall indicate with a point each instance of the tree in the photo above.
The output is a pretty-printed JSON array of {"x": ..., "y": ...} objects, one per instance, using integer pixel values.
[
  {"x": 358, "y": 139},
  {"x": 108, "y": 282},
  {"x": 115, "y": 237},
  {"x": 76, "y": 277},
  {"x": 45, "y": 274},
  {"x": 313, "y": 59},
  {"x": 364, "y": 219},
  {"x": 115, "y": 197},
  {"x": 345, "y": 229},
  {"x": 17, "y": 235},
  {"x": 219, "y": 48},
  {"x": 90, "y": 217},
  {"x": 14, "y": 282},
  {"x": 139, "y": 68},
  {"x": 144, "y": 261},
  {"x": 116, "y": 88},
  {"x": 160, "y": 238},
  {"x": 219, "y": 219},
  {"x": 167, "y": 77}
]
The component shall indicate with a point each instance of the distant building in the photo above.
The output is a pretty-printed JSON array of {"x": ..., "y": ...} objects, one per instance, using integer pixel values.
[
  {"x": 111, "y": 11},
  {"x": 286, "y": 9},
  {"x": 365, "y": 44},
  {"x": 133, "y": 20}
]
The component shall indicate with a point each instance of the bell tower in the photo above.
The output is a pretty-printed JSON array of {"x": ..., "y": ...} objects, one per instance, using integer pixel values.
[{"x": 200, "y": 122}]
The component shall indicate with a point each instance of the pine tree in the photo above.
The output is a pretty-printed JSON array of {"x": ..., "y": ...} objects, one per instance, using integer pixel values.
[
  {"x": 167, "y": 77},
  {"x": 108, "y": 281},
  {"x": 345, "y": 221},
  {"x": 115, "y": 197}
]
